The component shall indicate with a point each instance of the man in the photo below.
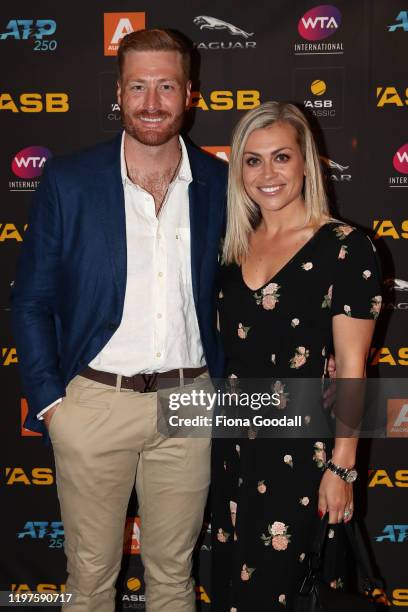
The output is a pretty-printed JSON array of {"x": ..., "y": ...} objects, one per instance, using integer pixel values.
[{"x": 115, "y": 287}]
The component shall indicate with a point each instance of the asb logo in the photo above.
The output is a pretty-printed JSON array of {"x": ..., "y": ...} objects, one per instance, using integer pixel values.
[
  {"x": 52, "y": 532},
  {"x": 35, "y": 30},
  {"x": 133, "y": 585},
  {"x": 131, "y": 542},
  {"x": 384, "y": 355},
  {"x": 393, "y": 533},
  {"x": 390, "y": 95},
  {"x": 381, "y": 478},
  {"x": 320, "y": 22},
  {"x": 397, "y": 418},
  {"x": 204, "y": 22},
  {"x": 35, "y": 103},
  {"x": 385, "y": 228},
  {"x": 9, "y": 231},
  {"x": 29, "y": 162},
  {"x": 220, "y": 152},
  {"x": 36, "y": 476},
  {"x": 8, "y": 356},
  {"x": 242, "y": 99},
  {"x": 402, "y": 22},
  {"x": 117, "y": 25},
  {"x": 322, "y": 94}
]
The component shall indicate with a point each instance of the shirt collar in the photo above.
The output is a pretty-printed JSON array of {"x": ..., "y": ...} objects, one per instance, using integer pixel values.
[{"x": 184, "y": 173}]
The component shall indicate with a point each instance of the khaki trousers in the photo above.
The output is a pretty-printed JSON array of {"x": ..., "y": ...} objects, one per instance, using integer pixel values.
[{"x": 104, "y": 442}]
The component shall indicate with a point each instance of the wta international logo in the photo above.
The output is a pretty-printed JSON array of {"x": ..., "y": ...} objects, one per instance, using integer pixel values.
[
  {"x": 320, "y": 22},
  {"x": 400, "y": 160},
  {"x": 29, "y": 162}
]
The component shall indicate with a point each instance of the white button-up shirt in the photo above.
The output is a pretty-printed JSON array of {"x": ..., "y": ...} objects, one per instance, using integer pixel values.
[{"x": 159, "y": 328}]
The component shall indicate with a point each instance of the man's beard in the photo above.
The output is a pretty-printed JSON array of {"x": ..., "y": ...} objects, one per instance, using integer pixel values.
[{"x": 154, "y": 136}]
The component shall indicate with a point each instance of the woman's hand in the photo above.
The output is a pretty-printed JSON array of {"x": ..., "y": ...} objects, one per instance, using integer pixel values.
[{"x": 336, "y": 498}]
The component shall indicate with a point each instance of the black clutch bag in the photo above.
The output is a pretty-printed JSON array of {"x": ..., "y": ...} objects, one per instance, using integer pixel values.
[{"x": 315, "y": 595}]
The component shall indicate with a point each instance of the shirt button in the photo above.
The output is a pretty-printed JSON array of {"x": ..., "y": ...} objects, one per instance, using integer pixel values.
[
  {"x": 158, "y": 236},
  {"x": 159, "y": 315},
  {"x": 158, "y": 354},
  {"x": 160, "y": 274}
]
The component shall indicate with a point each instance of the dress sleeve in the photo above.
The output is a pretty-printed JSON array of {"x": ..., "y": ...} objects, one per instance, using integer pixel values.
[{"x": 357, "y": 278}]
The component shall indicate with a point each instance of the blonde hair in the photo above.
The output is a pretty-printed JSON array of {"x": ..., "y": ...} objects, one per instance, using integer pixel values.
[{"x": 244, "y": 214}]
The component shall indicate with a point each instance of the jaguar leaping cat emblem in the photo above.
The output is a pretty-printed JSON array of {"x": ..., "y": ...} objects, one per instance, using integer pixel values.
[{"x": 211, "y": 23}]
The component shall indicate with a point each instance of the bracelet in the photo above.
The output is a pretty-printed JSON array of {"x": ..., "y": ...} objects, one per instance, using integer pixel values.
[{"x": 349, "y": 475}]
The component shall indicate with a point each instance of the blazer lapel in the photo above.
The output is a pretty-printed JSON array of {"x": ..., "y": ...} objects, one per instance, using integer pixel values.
[
  {"x": 199, "y": 206},
  {"x": 111, "y": 203}
]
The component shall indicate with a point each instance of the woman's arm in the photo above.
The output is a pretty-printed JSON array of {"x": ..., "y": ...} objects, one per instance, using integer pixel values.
[{"x": 352, "y": 339}]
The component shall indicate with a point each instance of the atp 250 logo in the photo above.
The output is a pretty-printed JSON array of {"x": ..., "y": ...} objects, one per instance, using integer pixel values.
[{"x": 38, "y": 31}]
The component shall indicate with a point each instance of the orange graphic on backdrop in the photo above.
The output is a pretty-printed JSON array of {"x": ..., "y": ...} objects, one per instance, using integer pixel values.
[
  {"x": 24, "y": 412},
  {"x": 397, "y": 418},
  {"x": 117, "y": 25},
  {"x": 222, "y": 152},
  {"x": 131, "y": 541}
]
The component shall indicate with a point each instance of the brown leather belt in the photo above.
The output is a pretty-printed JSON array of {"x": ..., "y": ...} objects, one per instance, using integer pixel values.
[{"x": 143, "y": 383}]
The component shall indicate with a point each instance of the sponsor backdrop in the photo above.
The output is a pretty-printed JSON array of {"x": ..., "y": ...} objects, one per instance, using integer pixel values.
[{"x": 346, "y": 64}]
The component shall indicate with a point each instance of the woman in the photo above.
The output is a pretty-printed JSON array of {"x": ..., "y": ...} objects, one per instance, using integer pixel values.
[{"x": 295, "y": 285}]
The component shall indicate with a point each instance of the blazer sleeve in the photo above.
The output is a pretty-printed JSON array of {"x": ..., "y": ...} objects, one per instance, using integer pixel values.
[{"x": 34, "y": 299}]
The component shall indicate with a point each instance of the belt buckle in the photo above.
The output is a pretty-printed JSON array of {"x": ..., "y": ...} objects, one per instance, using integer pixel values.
[{"x": 150, "y": 382}]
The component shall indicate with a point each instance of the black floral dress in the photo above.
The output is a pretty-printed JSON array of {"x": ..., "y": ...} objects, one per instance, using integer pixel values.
[{"x": 264, "y": 491}]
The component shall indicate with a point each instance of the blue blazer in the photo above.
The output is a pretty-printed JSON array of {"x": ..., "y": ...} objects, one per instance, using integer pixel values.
[{"x": 68, "y": 296}]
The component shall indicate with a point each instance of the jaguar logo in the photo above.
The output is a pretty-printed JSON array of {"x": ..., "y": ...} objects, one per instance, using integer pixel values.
[
  {"x": 334, "y": 165},
  {"x": 211, "y": 23},
  {"x": 396, "y": 284}
]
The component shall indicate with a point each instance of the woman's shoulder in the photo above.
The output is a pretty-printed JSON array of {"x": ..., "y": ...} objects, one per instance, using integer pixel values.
[{"x": 344, "y": 233}]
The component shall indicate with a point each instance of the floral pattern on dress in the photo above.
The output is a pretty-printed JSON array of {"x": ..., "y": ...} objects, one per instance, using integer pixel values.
[
  {"x": 268, "y": 297},
  {"x": 279, "y": 388},
  {"x": 300, "y": 357},
  {"x": 327, "y": 299},
  {"x": 279, "y": 536},
  {"x": 347, "y": 310},
  {"x": 319, "y": 455},
  {"x": 342, "y": 231},
  {"x": 343, "y": 252},
  {"x": 290, "y": 337},
  {"x": 242, "y": 331},
  {"x": 288, "y": 460},
  {"x": 246, "y": 572},
  {"x": 376, "y": 302},
  {"x": 307, "y": 266},
  {"x": 222, "y": 536}
]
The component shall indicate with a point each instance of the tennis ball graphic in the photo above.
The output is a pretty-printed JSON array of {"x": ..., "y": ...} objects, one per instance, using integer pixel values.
[
  {"x": 318, "y": 87},
  {"x": 133, "y": 584}
]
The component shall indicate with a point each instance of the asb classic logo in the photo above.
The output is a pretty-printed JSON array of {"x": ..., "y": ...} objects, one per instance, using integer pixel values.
[
  {"x": 117, "y": 25},
  {"x": 204, "y": 22},
  {"x": 315, "y": 25},
  {"x": 394, "y": 287},
  {"x": 37, "y": 31},
  {"x": 322, "y": 94},
  {"x": 28, "y": 164},
  {"x": 400, "y": 163}
]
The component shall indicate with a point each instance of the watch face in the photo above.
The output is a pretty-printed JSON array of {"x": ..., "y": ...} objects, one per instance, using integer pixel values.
[{"x": 351, "y": 476}]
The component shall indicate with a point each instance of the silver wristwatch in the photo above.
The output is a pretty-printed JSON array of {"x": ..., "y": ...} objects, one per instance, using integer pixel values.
[{"x": 344, "y": 473}]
